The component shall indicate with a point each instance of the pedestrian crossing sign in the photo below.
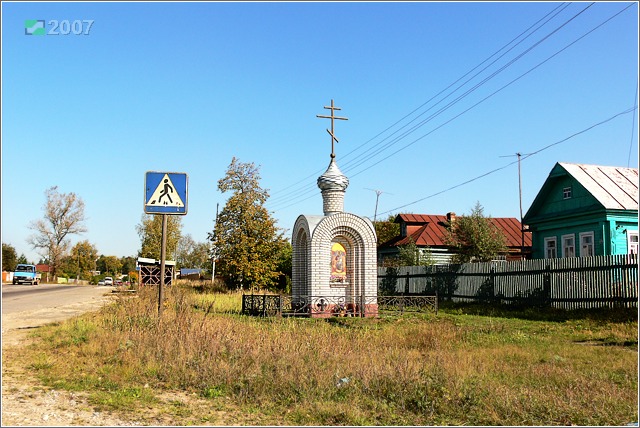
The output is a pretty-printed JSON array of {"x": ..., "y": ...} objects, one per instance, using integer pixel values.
[{"x": 165, "y": 193}]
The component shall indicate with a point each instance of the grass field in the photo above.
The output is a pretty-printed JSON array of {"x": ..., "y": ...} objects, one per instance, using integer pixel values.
[{"x": 468, "y": 365}]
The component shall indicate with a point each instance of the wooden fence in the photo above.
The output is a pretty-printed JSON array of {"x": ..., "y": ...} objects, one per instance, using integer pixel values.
[{"x": 572, "y": 283}]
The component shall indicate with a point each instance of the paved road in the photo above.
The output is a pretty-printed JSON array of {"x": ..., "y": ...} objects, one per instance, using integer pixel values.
[{"x": 26, "y": 306}]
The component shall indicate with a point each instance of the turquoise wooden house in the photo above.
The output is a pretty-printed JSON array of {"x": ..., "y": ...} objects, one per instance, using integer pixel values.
[{"x": 585, "y": 210}]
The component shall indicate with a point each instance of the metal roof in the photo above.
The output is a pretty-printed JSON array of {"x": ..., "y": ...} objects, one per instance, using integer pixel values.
[
  {"x": 432, "y": 229},
  {"x": 614, "y": 187}
]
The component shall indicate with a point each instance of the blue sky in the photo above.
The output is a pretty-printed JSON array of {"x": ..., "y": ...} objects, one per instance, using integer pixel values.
[{"x": 437, "y": 95}]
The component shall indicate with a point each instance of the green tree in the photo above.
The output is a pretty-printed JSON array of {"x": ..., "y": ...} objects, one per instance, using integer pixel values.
[
  {"x": 9, "y": 257},
  {"x": 81, "y": 261},
  {"x": 475, "y": 238},
  {"x": 112, "y": 265},
  {"x": 285, "y": 267},
  {"x": 150, "y": 232},
  {"x": 192, "y": 254},
  {"x": 246, "y": 240},
  {"x": 386, "y": 230},
  {"x": 63, "y": 216},
  {"x": 128, "y": 264},
  {"x": 412, "y": 255}
]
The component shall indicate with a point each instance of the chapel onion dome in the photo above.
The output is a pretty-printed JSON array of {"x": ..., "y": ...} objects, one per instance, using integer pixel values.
[{"x": 333, "y": 178}]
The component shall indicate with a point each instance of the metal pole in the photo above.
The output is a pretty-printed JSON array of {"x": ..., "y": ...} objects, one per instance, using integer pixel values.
[
  {"x": 520, "y": 195},
  {"x": 375, "y": 214},
  {"x": 213, "y": 263},
  {"x": 163, "y": 250}
]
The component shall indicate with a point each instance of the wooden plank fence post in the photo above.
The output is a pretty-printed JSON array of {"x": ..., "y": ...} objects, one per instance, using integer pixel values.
[
  {"x": 492, "y": 283},
  {"x": 546, "y": 285},
  {"x": 264, "y": 304},
  {"x": 406, "y": 286}
]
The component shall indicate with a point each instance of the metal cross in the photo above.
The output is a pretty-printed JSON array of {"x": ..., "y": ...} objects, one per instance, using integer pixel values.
[{"x": 332, "y": 117}]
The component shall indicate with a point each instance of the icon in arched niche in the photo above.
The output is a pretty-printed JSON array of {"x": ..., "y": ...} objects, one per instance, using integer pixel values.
[{"x": 338, "y": 263}]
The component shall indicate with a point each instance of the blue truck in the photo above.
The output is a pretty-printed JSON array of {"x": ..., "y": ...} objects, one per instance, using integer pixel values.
[{"x": 25, "y": 273}]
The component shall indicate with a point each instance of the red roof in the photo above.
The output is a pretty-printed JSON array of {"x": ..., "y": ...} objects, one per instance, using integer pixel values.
[
  {"x": 42, "y": 268},
  {"x": 430, "y": 230}
]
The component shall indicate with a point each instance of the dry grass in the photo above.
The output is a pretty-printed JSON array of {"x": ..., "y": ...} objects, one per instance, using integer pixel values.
[{"x": 449, "y": 369}]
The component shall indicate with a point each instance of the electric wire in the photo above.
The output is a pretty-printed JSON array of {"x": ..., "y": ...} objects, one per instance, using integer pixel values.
[
  {"x": 632, "y": 109},
  {"x": 291, "y": 203},
  {"x": 493, "y": 93},
  {"x": 563, "y": 5},
  {"x": 633, "y": 125},
  {"x": 466, "y": 93},
  {"x": 553, "y": 14}
]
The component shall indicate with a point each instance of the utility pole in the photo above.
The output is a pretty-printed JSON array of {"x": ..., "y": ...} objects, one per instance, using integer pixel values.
[
  {"x": 378, "y": 193},
  {"x": 213, "y": 262},
  {"x": 519, "y": 155}
]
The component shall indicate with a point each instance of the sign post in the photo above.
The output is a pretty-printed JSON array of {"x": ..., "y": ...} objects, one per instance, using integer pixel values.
[{"x": 165, "y": 193}]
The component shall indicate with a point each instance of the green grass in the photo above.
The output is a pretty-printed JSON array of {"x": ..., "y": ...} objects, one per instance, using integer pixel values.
[{"x": 468, "y": 365}]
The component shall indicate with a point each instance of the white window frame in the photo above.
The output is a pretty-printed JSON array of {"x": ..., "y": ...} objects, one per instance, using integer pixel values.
[
  {"x": 572, "y": 237},
  {"x": 583, "y": 252},
  {"x": 632, "y": 245},
  {"x": 567, "y": 192},
  {"x": 547, "y": 247}
]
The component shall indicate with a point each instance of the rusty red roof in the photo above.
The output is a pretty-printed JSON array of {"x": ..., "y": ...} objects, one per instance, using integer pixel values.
[
  {"x": 42, "y": 268},
  {"x": 431, "y": 230}
]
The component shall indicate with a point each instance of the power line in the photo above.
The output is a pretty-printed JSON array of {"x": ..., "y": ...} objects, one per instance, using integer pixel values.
[
  {"x": 633, "y": 125},
  {"x": 465, "y": 94},
  {"x": 512, "y": 163},
  {"x": 473, "y": 106},
  {"x": 493, "y": 93},
  {"x": 563, "y": 6},
  {"x": 553, "y": 12}
]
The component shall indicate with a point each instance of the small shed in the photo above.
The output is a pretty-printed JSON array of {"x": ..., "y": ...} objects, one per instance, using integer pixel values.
[
  {"x": 585, "y": 210},
  {"x": 149, "y": 270}
]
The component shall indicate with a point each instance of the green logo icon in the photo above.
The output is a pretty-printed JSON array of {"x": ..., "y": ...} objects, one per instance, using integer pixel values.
[{"x": 34, "y": 27}]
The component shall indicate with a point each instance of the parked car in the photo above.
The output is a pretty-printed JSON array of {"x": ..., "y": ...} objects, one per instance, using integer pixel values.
[
  {"x": 101, "y": 282},
  {"x": 108, "y": 280}
]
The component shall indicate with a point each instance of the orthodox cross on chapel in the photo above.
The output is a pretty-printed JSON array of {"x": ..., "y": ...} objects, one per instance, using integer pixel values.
[{"x": 332, "y": 117}]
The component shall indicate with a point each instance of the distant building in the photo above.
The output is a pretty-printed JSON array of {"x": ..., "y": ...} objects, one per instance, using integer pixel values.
[
  {"x": 428, "y": 231},
  {"x": 585, "y": 210},
  {"x": 43, "y": 270},
  {"x": 186, "y": 273}
]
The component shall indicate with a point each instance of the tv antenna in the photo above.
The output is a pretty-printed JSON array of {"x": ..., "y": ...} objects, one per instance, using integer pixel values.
[{"x": 378, "y": 193}]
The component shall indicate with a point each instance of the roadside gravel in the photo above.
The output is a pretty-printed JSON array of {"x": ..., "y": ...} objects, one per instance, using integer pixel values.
[{"x": 25, "y": 402}]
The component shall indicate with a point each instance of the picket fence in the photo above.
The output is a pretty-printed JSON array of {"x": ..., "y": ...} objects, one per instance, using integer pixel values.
[{"x": 571, "y": 283}]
